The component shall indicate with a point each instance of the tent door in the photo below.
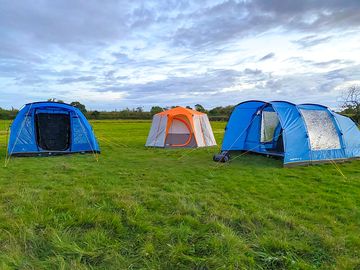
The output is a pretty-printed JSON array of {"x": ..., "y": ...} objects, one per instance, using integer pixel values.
[
  {"x": 276, "y": 146},
  {"x": 180, "y": 134},
  {"x": 53, "y": 131},
  {"x": 279, "y": 143},
  {"x": 271, "y": 132}
]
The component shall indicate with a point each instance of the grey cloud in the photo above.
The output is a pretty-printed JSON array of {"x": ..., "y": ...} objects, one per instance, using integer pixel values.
[
  {"x": 315, "y": 83},
  {"x": 250, "y": 71},
  {"x": 212, "y": 80},
  {"x": 74, "y": 24},
  {"x": 218, "y": 23},
  {"x": 24, "y": 74},
  {"x": 29, "y": 80},
  {"x": 10, "y": 68},
  {"x": 76, "y": 79},
  {"x": 53, "y": 27},
  {"x": 232, "y": 19},
  {"x": 332, "y": 62},
  {"x": 268, "y": 56},
  {"x": 64, "y": 21},
  {"x": 209, "y": 86},
  {"x": 323, "y": 64},
  {"x": 336, "y": 74},
  {"x": 312, "y": 40},
  {"x": 328, "y": 63},
  {"x": 121, "y": 57}
]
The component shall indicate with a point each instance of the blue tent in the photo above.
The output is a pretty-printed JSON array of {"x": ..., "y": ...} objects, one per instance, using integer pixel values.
[
  {"x": 301, "y": 134},
  {"x": 50, "y": 128}
]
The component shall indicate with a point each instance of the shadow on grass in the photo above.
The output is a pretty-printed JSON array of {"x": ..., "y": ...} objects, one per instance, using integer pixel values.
[{"x": 255, "y": 160}]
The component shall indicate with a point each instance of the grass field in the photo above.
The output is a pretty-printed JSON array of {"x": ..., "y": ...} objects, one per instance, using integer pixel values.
[{"x": 139, "y": 208}]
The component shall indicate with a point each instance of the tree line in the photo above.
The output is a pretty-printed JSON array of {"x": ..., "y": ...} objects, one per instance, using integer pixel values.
[
  {"x": 215, "y": 114},
  {"x": 350, "y": 106}
]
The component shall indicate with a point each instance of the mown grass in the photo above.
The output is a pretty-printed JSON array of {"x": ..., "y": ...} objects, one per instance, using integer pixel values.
[{"x": 139, "y": 208}]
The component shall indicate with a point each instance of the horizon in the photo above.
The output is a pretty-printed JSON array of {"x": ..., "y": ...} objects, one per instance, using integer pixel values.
[
  {"x": 165, "y": 108},
  {"x": 116, "y": 55}
]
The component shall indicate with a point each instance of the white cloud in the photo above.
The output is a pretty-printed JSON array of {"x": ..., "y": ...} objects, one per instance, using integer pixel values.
[{"x": 94, "y": 96}]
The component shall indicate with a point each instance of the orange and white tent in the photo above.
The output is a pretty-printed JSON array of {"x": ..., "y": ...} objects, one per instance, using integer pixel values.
[{"x": 180, "y": 127}]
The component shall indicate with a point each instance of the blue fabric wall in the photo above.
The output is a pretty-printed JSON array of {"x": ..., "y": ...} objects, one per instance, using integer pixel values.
[
  {"x": 296, "y": 143},
  {"x": 350, "y": 135},
  {"x": 237, "y": 127}
]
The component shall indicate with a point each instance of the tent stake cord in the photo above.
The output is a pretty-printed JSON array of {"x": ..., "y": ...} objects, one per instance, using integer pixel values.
[{"x": 7, "y": 145}]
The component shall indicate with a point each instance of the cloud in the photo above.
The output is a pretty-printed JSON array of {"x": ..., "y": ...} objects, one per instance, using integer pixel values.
[
  {"x": 268, "y": 56},
  {"x": 77, "y": 79},
  {"x": 312, "y": 40},
  {"x": 230, "y": 87},
  {"x": 332, "y": 63},
  {"x": 96, "y": 96},
  {"x": 61, "y": 22},
  {"x": 228, "y": 20}
]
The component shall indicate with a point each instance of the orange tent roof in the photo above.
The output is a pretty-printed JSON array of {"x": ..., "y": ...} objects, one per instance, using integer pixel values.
[{"x": 180, "y": 110}]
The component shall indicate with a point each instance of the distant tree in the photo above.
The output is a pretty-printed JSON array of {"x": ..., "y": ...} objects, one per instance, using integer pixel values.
[
  {"x": 188, "y": 107},
  {"x": 95, "y": 114},
  {"x": 351, "y": 102},
  {"x": 55, "y": 100},
  {"x": 139, "y": 109},
  {"x": 199, "y": 108},
  {"x": 8, "y": 114},
  {"x": 78, "y": 105},
  {"x": 155, "y": 110},
  {"x": 221, "y": 111}
]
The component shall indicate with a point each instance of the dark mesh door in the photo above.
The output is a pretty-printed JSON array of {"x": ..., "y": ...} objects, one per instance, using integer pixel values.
[
  {"x": 53, "y": 131},
  {"x": 280, "y": 143}
]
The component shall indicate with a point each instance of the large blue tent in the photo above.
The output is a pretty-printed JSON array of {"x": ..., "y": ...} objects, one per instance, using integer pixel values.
[
  {"x": 301, "y": 134},
  {"x": 50, "y": 128}
]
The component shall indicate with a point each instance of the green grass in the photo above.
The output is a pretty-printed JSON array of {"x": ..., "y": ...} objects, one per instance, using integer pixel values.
[{"x": 141, "y": 208}]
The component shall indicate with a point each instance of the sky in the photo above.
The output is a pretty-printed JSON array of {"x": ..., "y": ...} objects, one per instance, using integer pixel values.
[{"x": 117, "y": 54}]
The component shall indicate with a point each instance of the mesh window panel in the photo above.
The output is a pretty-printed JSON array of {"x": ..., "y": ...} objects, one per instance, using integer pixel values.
[
  {"x": 269, "y": 122},
  {"x": 321, "y": 129},
  {"x": 79, "y": 132}
]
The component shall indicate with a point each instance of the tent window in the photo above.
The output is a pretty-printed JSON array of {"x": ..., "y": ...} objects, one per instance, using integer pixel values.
[
  {"x": 178, "y": 127},
  {"x": 321, "y": 130},
  {"x": 269, "y": 122}
]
